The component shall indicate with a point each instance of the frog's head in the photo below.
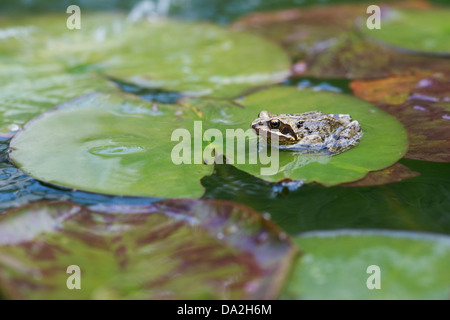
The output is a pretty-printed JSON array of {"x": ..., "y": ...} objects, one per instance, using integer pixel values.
[{"x": 279, "y": 125}]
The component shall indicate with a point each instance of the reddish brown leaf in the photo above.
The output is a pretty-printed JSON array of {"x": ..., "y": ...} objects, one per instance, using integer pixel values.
[
  {"x": 326, "y": 44},
  {"x": 422, "y": 104},
  {"x": 394, "y": 173},
  {"x": 177, "y": 249}
]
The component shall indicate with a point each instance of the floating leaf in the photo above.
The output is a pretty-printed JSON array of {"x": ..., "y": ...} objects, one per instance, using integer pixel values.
[
  {"x": 326, "y": 43},
  {"x": 185, "y": 249},
  {"x": 200, "y": 58},
  {"x": 422, "y": 104},
  {"x": 335, "y": 265},
  {"x": 417, "y": 204},
  {"x": 423, "y": 31},
  {"x": 394, "y": 173},
  {"x": 384, "y": 140},
  {"x": 110, "y": 143},
  {"x": 27, "y": 90}
]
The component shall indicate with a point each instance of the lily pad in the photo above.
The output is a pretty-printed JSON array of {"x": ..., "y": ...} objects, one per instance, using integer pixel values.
[
  {"x": 110, "y": 143},
  {"x": 384, "y": 139},
  {"x": 26, "y": 90},
  {"x": 199, "y": 58},
  {"x": 422, "y": 104},
  {"x": 423, "y": 31},
  {"x": 335, "y": 265},
  {"x": 325, "y": 42},
  {"x": 185, "y": 249}
]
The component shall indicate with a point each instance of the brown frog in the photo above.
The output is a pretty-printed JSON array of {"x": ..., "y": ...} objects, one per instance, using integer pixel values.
[{"x": 312, "y": 131}]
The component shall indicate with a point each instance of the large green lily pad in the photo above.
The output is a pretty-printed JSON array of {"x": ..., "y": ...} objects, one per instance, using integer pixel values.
[
  {"x": 26, "y": 90},
  {"x": 185, "y": 249},
  {"x": 110, "y": 143},
  {"x": 335, "y": 266},
  {"x": 384, "y": 139},
  {"x": 326, "y": 43},
  {"x": 199, "y": 58},
  {"x": 424, "y": 31},
  {"x": 421, "y": 103}
]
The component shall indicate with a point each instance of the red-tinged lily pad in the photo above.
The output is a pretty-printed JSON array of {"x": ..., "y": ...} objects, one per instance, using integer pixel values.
[
  {"x": 326, "y": 43},
  {"x": 394, "y": 173},
  {"x": 422, "y": 104},
  {"x": 179, "y": 249}
]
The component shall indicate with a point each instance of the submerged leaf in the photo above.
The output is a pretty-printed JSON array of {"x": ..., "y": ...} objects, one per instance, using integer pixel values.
[
  {"x": 422, "y": 104},
  {"x": 377, "y": 265},
  {"x": 185, "y": 249}
]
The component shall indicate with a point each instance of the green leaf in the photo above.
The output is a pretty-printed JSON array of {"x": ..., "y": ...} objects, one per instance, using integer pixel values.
[
  {"x": 26, "y": 90},
  {"x": 334, "y": 266},
  {"x": 186, "y": 249},
  {"x": 423, "y": 31},
  {"x": 384, "y": 139},
  {"x": 110, "y": 143},
  {"x": 199, "y": 58}
]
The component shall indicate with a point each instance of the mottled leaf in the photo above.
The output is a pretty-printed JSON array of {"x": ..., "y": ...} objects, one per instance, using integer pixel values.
[
  {"x": 326, "y": 44},
  {"x": 185, "y": 249},
  {"x": 422, "y": 104},
  {"x": 351, "y": 264}
]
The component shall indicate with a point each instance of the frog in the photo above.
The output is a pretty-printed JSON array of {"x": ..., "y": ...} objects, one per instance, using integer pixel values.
[{"x": 310, "y": 132}]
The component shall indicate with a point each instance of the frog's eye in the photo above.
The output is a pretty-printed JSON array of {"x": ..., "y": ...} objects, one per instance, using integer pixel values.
[{"x": 275, "y": 123}]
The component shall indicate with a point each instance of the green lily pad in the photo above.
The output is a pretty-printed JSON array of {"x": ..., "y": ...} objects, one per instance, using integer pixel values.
[
  {"x": 335, "y": 266},
  {"x": 110, "y": 143},
  {"x": 186, "y": 249},
  {"x": 326, "y": 43},
  {"x": 423, "y": 31},
  {"x": 421, "y": 103},
  {"x": 26, "y": 90},
  {"x": 199, "y": 58},
  {"x": 384, "y": 139}
]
